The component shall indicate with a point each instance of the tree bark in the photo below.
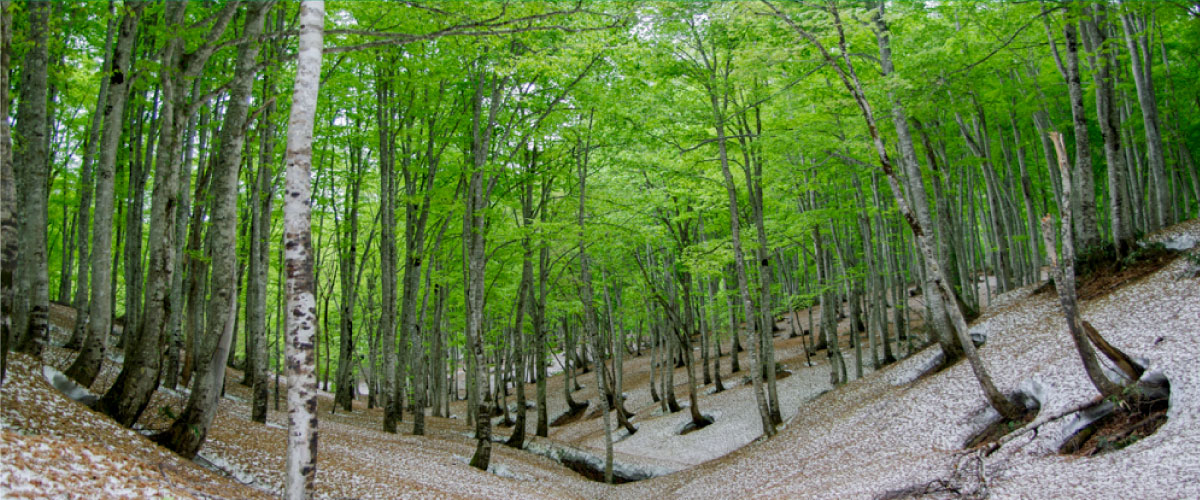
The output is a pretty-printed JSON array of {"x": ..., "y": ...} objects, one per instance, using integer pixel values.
[
  {"x": 524, "y": 290},
  {"x": 8, "y": 199},
  {"x": 188, "y": 432},
  {"x": 1085, "y": 225},
  {"x": 1064, "y": 281},
  {"x": 347, "y": 273},
  {"x": 301, "y": 467},
  {"x": 32, "y": 170},
  {"x": 261, "y": 246},
  {"x": 1139, "y": 56},
  {"x": 474, "y": 245},
  {"x": 387, "y": 253},
  {"x": 768, "y": 426},
  {"x": 91, "y": 355},
  {"x": 83, "y": 212},
  {"x": 916, "y": 189},
  {"x": 849, "y": 78},
  {"x": 140, "y": 374},
  {"x": 1108, "y": 118}
]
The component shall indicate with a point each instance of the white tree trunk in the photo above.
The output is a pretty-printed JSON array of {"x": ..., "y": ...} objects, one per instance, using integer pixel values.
[{"x": 301, "y": 468}]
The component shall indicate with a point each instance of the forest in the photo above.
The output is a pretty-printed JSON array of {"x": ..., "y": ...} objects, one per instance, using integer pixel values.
[{"x": 464, "y": 234}]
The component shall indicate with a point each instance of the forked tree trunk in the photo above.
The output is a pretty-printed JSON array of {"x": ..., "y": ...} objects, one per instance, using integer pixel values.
[
  {"x": 188, "y": 432},
  {"x": 1064, "y": 281},
  {"x": 140, "y": 374}
]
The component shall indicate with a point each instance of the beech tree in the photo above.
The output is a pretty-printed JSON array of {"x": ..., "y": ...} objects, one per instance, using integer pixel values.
[
  {"x": 301, "y": 467},
  {"x": 713, "y": 172}
]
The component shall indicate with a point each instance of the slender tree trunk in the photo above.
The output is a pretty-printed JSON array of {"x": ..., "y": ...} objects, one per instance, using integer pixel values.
[
  {"x": 387, "y": 253},
  {"x": 524, "y": 290},
  {"x": 474, "y": 245},
  {"x": 347, "y": 272},
  {"x": 140, "y": 374},
  {"x": 86, "y": 185},
  {"x": 1085, "y": 225},
  {"x": 589, "y": 312},
  {"x": 768, "y": 426},
  {"x": 91, "y": 355},
  {"x": 1108, "y": 118},
  {"x": 1139, "y": 56},
  {"x": 1027, "y": 195},
  {"x": 539, "y": 320},
  {"x": 259, "y": 278},
  {"x": 1064, "y": 280},
  {"x": 998, "y": 400},
  {"x": 916, "y": 189},
  {"x": 301, "y": 465},
  {"x": 175, "y": 332}
]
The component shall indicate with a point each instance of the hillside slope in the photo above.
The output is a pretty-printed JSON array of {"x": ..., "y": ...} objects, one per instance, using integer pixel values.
[{"x": 878, "y": 434}]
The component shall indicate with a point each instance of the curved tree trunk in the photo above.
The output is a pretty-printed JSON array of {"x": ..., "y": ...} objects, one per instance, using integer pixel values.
[
  {"x": 188, "y": 432},
  {"x": 1064, "y": 280}
]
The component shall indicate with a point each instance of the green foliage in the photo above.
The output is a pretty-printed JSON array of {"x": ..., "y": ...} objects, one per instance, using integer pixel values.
[{"x": 635, "y": 85}]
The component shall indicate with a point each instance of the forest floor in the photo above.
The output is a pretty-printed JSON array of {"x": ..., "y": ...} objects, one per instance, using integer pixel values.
[{"x": 891, "y": 433}]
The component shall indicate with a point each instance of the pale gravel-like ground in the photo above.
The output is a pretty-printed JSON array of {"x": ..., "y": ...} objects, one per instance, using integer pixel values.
[
  {"x": 865, "y": 438},
  {"x": 870, "y": 437}
]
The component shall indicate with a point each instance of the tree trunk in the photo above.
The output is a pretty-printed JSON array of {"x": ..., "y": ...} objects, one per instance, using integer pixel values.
[
  {"x": 175, "y": 331},
  {"x": 768, "y": 426},
  {"x": 262, "y": 244},
  {"x": 524, "y": 290},
  {"x": 91, "y": 355},
  {"x": 8, "y": 199},
  {"x": 32, "y": 170},
  {"x": 1064, "y": 280},
  {"x": 140, "y": 374},
  {"x": 1085, "y": 225},
  {"x": 916, "y": 189},
  {"x": 1107, "y": 116},
  {"x": 539, "y": 319},
  {"x": 347, "y": 272},
  {"x": 301, "y": 465},
  {"x": 188, "y": 432},
  {"x": 83, "y": 213},
  {"x": 474, "y": 244},
  {"x": 849, "y": 78},
  {"x": 589, "y": 310},
  {"x": 387, "y": 254},
  {"x": 1139, "y": 56}
]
